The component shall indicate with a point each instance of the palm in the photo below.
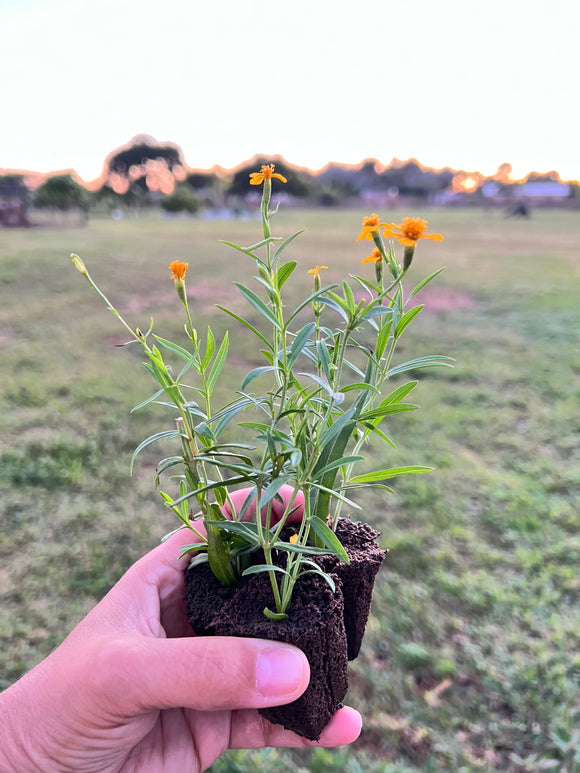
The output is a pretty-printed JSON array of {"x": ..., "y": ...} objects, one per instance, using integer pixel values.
[{"x": 103, "y": 702}]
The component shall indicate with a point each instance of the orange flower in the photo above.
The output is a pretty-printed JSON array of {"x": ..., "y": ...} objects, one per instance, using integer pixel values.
[
  {"x": 411, "y": 230},
  {"x": 266, "y": 173},
  {"x": 316, "y": 271},
  {"x": 178, "y": 269},
  {"x": 370, "y": 225},
  {"x": 374, "y": 257}
]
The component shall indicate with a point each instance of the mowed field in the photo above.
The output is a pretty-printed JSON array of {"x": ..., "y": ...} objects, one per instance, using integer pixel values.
[{"x": 471, "y": 660}]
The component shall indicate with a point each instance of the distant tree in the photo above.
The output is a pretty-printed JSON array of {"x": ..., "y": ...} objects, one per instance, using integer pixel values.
[
  {"x": 61, "y": 192},
  {"x": 503, "y": 174},
  {"x": 181, "y": 200},
  {"x": 548, "y": 177},
  {"x": 107, "y": 197},
  {"x": 14, "y": 200},
  {"x": 200, "y": 181},
  {"x": 297, "y": 185},
  {"x": 412, "y": 180},
  {"x": 13, "y": 188},
  {"x": 156, "y": 166},
  {"x": 136, "y": 155}
]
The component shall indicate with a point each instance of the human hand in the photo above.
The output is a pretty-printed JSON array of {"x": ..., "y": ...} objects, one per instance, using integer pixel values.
[{"x": 133, "y": 689}]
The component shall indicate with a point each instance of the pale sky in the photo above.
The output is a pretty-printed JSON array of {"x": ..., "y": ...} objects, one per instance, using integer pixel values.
[{"x": 450, "y": 82}]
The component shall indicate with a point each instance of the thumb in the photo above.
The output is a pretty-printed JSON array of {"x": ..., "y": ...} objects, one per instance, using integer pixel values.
[{"x": 137, "y": 674}]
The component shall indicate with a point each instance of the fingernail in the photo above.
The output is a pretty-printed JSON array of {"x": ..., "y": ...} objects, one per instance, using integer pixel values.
[{"x": 279, "y": 671}]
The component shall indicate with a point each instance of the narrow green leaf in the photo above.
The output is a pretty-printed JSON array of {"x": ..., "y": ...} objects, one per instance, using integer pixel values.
[
  {"x": 422, "y": 284},
  {"x": 225, "y": 419},
  {"x": 360, "y": 385},
  {"x": 374, "y": 428},
  {"x": 406, "y": 319},
  {"x": 218, "y": 363},
  {"x": 300, "y": 342},
  {"x": 258, "y": 304},
  {"x": 275, "y": 615},
  {"x": 257, "y": 568},
  {"x": 398, "y": 394},
  {"x": 324, "y": 576},
  {"x": 308, "y": 550},
  {"x": 324, "y": 358},
  {"x": 338, "y": 463},
  {"x": 199, "y": 558},
  {"x": 313, "y": 297},
  {"x": 378, "y": 475},
  {"x": 209, "y": 349},
  {"x": 247, "y": 325},
  {"x": 328, "y": 537},
  {"x": 245, "y": 250},
  {"x": 170, "y": 461},
  {"x": 332, "y": 304},
  {"x": 218, "y": 554},
  {"x": 210, "y": 486},
  {"x": 284, "y": 244},
  {"x": 273, "y": 488},
  {"x": 335, "y": 494},
  {"x": 203, "y": 430},
  {"x": 421, "y": 362},
  {"x": 171, "y": 433},
  {"x": 249, "y": 531},
  {"x": 284, "y": 273},
  {"x": 148, "y": 401},
  {"x": 387, "y": 410},
  {"x": 175, "y": 348},
  {"x": 383, "y": 338},
  {"x": 320, "y": 381},
  {"x": 253, "y": 374}
]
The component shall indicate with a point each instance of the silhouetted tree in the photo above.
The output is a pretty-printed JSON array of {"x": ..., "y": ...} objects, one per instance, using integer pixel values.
[
  {"x": 144, "y": 161},
  {"x": 137, "y": 155},
  {"x": 200, "y": 181},
  {"x": 13, "y": 188},
  {"x": 61, "y": 192}
]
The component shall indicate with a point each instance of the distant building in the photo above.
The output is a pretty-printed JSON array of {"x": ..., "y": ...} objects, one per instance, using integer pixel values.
[{"x": 546, "y": 191}]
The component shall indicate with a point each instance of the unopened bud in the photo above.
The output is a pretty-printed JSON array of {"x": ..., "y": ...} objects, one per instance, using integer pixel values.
[{"x": 78, "y": 264}]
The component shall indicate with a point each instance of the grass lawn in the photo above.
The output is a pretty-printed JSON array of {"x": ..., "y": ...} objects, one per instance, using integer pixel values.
[{"x": 471, "y": 660}]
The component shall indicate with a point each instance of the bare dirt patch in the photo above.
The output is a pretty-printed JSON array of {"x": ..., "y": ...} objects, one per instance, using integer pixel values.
[{"x": 442, "y": 299}]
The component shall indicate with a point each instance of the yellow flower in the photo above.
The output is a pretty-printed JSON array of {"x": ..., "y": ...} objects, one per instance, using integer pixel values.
[
  {"x": 370, "y": 225},
  {"x": 294, "y": 539},
  {"x": 265, "y": 173},
  {"x": 411, "y": 230},
  {"x": 178, "y": 269},
  {"x": 316, "y": 270},
  {"x": 374, "y": 257}
]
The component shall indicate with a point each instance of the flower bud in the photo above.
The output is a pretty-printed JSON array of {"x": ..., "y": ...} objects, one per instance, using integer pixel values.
[
  {"x": 78, "y": 264},
  {"x": 408, "y": 257}
]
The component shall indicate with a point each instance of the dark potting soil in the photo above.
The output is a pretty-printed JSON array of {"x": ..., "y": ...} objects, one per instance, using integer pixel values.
[
  {"x": 358, "y": 577},
  {"x": 328, "y": 627}
]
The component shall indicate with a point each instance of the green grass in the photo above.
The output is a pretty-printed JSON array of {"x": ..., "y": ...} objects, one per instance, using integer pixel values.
[{"x": 471, "y": 658}]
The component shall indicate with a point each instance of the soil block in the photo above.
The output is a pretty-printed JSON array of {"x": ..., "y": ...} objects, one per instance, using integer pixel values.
[
  {"x": 315, "y": 624},
  {"x": 328, "y": 627},
  {"x": 358, "y": 577}
]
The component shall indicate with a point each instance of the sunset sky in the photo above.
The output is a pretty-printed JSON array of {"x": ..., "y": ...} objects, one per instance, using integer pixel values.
[{"x": 449, "y": 82}]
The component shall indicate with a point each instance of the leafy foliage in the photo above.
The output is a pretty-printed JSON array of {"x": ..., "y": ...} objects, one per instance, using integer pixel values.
[
  {"x": 61, "y": 192},
  {"x": 322, "y": 401}
]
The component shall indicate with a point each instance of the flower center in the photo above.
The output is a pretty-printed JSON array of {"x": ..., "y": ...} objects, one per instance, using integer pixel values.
[
  {"x": 372, "y": 221},
  {"x": 268, "y": 171},
  {"x": 413, "y": 227}
]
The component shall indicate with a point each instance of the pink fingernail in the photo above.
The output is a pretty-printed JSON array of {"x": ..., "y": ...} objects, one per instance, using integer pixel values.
[{"x": 279, "y": 672}]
